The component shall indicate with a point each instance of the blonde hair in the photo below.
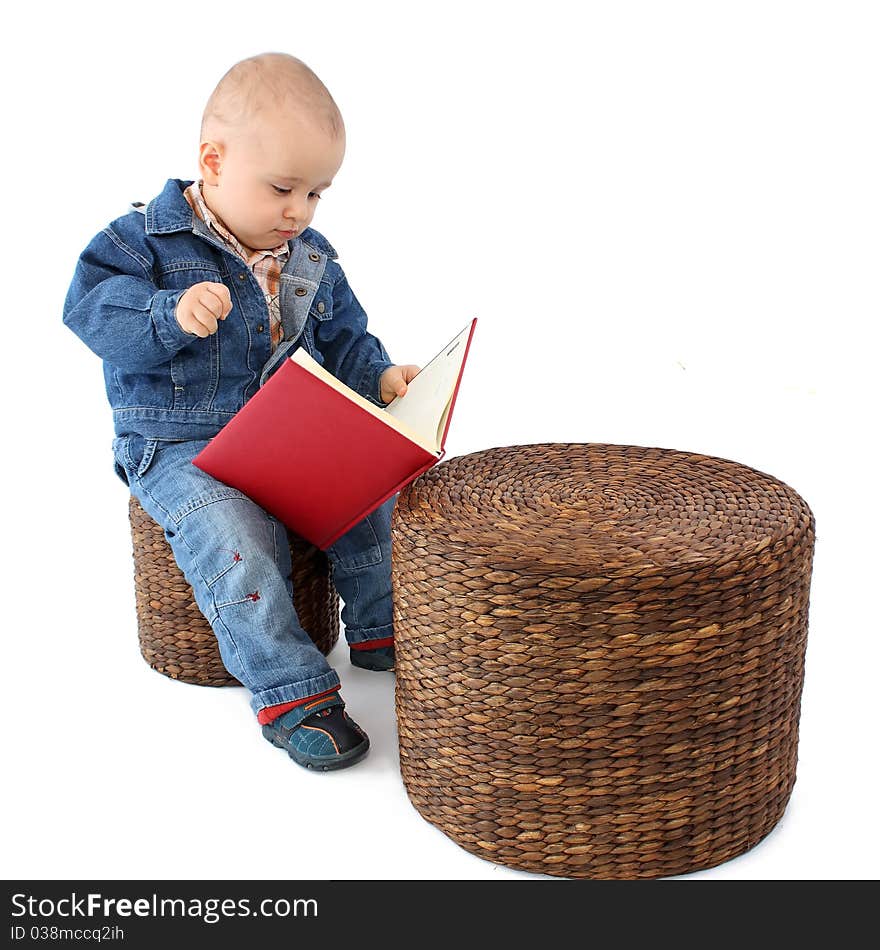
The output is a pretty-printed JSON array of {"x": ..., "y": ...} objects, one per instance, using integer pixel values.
[{"x": 263, "y": 85}]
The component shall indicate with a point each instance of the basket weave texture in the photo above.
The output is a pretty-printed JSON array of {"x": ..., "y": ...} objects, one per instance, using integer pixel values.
[
  {"x": 600, "y": 655},
  {"x": 177, "y": 640}
]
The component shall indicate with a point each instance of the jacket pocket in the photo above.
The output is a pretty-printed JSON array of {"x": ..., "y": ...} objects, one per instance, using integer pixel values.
[
  {"x": 322, "y": 306},
  {"x": 195, "y": 373},
  {"x": 195, "y": 367}
]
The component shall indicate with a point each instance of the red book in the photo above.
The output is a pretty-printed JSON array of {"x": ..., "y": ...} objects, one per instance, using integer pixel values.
[{"x": 321, "y": 457}]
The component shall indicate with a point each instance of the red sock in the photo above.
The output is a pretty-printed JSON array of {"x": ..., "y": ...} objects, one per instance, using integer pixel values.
[
  {"x": 270, "y": 713},
  {"x": 373, "y": 644}
]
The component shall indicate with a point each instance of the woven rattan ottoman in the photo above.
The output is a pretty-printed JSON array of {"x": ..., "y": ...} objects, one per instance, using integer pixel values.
[
  {"x": 174, "y": 636},
  {"x": 600, "y": 655}
]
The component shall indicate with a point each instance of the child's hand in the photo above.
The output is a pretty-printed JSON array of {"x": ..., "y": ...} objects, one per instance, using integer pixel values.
[
  {"x": 199, "y": 309},
  {"x": 393, "y": 381}
]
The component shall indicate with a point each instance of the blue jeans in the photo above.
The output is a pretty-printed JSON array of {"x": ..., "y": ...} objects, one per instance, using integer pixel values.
[{"x": 236, "y": 558}]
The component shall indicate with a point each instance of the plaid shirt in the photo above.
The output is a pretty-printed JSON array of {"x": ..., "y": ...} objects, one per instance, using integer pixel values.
[{"x": 266, "y": 265}]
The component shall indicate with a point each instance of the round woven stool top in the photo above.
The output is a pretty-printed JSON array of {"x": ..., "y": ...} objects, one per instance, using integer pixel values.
[
  {"x": 604, "y": 510},
  {"x": 600, "y": 654}
]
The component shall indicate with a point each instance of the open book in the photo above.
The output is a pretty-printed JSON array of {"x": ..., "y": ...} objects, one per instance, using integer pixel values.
[{"x": 321, "y": 457}]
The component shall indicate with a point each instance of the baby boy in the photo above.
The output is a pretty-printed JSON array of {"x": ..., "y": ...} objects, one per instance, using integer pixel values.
[{"x": 191, "y": 302}]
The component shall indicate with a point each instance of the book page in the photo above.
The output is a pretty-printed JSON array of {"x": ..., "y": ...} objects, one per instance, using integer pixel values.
[
  {"x": 301, "y": 357},
  {"x": 428, "y": 397}
]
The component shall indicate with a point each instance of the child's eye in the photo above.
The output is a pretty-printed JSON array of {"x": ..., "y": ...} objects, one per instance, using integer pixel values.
[{"x": 286, "y": 191}]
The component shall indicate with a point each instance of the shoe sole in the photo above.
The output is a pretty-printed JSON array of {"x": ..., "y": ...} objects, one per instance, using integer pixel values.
[
  {"x": 364, "y": 663},
  {"x": 374, "y": 667},
  {"x": 328, "y": 765}
]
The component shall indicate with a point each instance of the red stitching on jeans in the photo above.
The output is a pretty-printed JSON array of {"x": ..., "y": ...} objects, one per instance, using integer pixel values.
[
  {"x": 254, "y": 596},
  {"x": 235, "y": 555}
]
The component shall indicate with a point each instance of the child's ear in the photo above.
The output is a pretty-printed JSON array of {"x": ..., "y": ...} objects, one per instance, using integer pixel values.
[{"x": 210, "y": 162}]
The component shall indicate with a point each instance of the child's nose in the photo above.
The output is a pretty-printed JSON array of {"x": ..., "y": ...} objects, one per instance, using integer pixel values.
[{"x": 296, "y": 208}]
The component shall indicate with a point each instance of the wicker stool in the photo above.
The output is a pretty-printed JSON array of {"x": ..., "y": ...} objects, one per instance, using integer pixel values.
[
  {"x": 600, "y": 655},
  {"x": 174, "y": 636}
]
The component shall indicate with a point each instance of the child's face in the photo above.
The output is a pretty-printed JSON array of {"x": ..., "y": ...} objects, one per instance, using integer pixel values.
[{"x": 265, "y": 183}]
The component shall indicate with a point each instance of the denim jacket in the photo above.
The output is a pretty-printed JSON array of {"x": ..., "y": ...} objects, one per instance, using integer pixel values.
[{"x": 164, "y": 383}]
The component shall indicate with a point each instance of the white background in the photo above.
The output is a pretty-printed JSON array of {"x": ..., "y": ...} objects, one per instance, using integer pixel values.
[{"x": 665, "y": 216}]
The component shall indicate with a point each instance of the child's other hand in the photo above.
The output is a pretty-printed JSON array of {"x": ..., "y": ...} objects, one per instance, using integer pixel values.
[
  {"x": 393, "y": 381},
  {"x": 200, "y": 307}
]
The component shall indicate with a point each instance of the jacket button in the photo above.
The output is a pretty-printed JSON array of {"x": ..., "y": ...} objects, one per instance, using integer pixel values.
[
  {"x": 314, "y": 257},
  {"x": 242, "y": 276},
  {"x": 260, "y": 328},
  {"x": 300, "y": 291},
  {"x": 321, "y": 307}
]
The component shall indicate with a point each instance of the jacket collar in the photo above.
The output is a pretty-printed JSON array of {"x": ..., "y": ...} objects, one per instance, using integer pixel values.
[{"x": 170, "y": 212}]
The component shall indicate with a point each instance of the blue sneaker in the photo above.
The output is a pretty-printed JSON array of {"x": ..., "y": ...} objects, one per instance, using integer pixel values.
[
  {"x": 379, "y": 659},
  {"x": 319, "y": 735}
]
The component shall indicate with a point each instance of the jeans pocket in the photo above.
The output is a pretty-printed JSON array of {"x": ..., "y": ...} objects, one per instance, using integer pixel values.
[
  {"x": 118, "y": 465},
  {"x": 133, "y": 455},
  {"x": 365, "y": 544}
]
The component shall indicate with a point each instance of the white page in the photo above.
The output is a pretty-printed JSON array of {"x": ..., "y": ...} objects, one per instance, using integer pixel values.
[
  {"x": 424, "y": 407},
  {"x": 302, "y": 358}
]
